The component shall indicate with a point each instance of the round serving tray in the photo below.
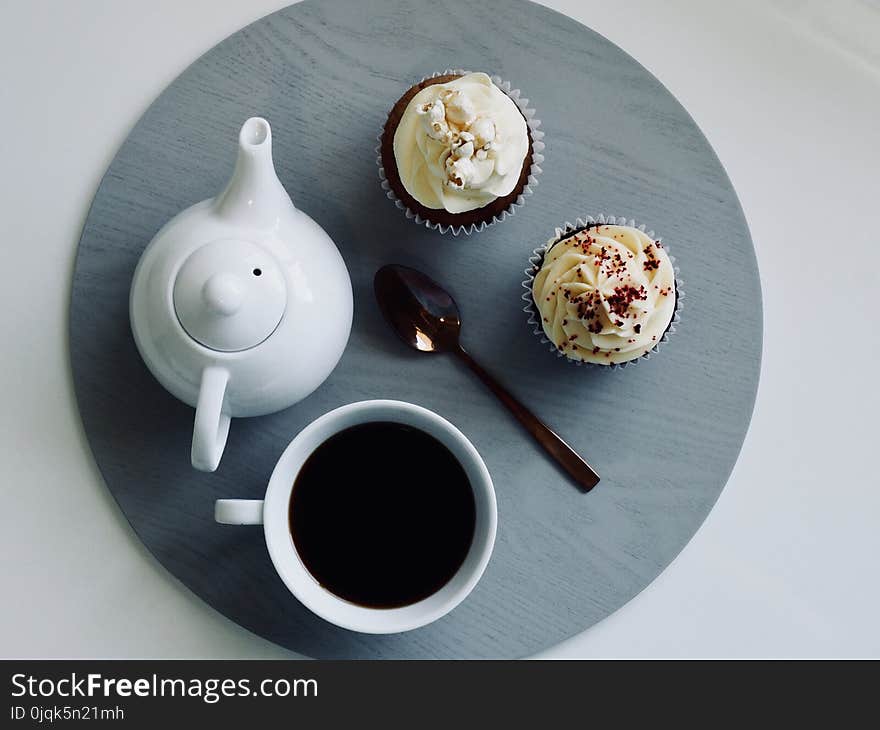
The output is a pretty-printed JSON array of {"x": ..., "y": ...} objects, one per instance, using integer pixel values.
[{"x": 664, "y": 435}]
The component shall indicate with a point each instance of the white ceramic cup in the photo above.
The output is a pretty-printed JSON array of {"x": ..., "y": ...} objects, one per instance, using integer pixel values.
[{"x": 272, "y": 513}]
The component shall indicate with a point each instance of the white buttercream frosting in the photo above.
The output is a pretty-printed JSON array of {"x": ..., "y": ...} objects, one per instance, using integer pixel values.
[
  {"x": 461, "y": 144},
  {"x": 605, "y": 294}
]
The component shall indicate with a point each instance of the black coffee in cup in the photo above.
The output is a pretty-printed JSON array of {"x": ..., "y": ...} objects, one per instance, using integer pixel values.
[{"x": 382, "y": 514}]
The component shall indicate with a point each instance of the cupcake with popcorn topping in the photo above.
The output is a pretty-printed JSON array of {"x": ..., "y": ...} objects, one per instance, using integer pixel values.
[
  {"x": 603, "y": 292},
  {"x": 459, "y": 151}
]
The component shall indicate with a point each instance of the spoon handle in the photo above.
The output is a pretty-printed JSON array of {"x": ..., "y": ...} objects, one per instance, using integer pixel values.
[{"x": 565, "y": 456}]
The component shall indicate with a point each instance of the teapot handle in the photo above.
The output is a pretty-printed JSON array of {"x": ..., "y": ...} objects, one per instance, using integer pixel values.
[{"x": 212, "y": 423}]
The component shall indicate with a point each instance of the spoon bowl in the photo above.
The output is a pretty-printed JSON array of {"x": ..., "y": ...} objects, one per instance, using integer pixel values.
[{"x": 423, "y": 314}]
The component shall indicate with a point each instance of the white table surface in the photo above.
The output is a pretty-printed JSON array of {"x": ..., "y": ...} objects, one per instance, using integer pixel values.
[{"x": 788, "y": 93}]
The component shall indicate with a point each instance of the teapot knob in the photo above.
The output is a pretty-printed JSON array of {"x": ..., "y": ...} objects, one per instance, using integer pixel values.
[{"x": 223, "y": 293}]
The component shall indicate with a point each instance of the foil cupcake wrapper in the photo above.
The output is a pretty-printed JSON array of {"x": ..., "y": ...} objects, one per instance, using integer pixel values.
[
  {"x": 534, "y": 171},
  {"x": 537, "y": 259}
]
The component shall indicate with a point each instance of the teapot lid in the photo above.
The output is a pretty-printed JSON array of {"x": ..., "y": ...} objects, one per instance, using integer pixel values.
[{"x": 229, "y": 295}]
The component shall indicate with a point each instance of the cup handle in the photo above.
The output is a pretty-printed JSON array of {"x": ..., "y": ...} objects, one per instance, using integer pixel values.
[
  {"x": 238, "y": 511},
  {"x": 212, "y": 424}
]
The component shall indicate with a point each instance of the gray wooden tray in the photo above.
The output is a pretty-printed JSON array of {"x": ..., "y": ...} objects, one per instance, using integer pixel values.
[{"x": 664, "y": 435}]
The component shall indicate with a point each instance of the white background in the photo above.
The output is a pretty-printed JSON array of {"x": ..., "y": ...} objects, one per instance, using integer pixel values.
[{"x": 788, "y": 93}]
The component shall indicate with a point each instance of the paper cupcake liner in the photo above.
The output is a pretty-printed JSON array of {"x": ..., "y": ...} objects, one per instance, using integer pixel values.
[
  {"x": 537, "y": 259},
  {"x": 534, "y": 171}
]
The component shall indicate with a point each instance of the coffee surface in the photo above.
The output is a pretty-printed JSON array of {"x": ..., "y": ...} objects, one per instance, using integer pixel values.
[{"x": 382, "y": 514}]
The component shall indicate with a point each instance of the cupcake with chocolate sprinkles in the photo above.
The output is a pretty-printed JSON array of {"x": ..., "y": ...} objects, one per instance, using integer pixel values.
[
  {"x": 602, "y": 292},
  {"x": 459, "y": 151}
]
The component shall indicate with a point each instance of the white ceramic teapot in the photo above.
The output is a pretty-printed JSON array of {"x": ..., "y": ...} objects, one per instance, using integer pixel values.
[{"x": 241, "y": 305}]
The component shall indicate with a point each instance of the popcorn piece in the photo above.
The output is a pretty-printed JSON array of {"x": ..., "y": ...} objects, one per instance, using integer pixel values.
[
  {"x": 483, "y": 130},
  {"x": 464, "y": 150},
  {"x": 460, "y": 171},
  {"x": 434, "y": 120},
  {"x": 459, "y": 108}
]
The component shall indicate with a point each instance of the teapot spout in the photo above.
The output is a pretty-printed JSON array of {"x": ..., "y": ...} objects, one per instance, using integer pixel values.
[{"x": 254, "y": 195}]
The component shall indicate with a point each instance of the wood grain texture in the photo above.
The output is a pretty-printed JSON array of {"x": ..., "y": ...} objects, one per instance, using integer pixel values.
[{"x": 664, "y": 435}]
